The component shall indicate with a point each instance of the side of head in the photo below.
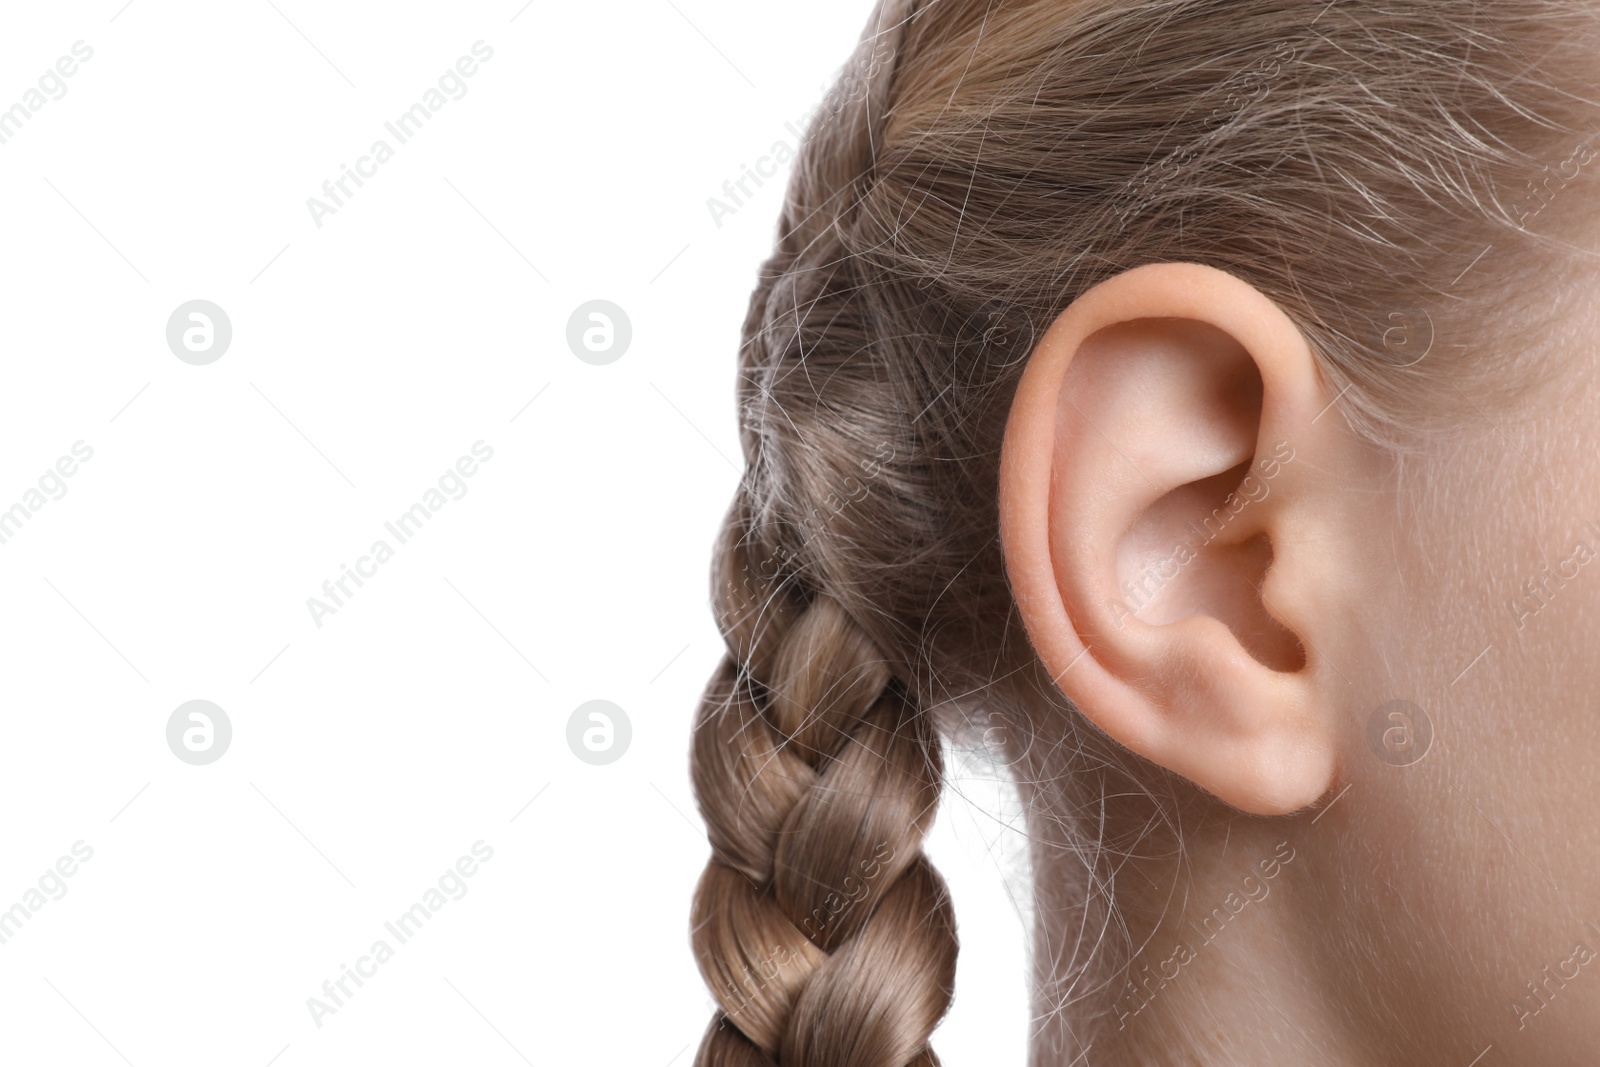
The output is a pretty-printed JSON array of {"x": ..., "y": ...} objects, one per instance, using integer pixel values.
[{"x": 1177, "y": 410}]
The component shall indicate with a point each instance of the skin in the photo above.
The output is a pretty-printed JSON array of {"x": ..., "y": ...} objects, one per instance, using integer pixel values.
[{"x": 1422, "y": 894}]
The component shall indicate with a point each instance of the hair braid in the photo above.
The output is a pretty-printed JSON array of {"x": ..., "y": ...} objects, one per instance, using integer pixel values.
[
  {"x": 821, "y": 928},
  {"x": 823, "y": 931}
]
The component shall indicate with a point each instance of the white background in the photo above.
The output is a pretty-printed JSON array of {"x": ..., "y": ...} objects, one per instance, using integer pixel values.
[{"x": 428, "y": 313}]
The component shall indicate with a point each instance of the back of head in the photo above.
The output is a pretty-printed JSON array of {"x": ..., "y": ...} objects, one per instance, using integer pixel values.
[{"x": 977, "y": 167}]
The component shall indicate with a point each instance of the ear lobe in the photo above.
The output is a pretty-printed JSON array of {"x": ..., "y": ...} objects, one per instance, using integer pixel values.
[{"x": 1160, "y": 523}]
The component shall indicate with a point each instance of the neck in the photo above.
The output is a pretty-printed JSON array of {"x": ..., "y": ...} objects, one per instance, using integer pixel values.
[
  {"x": 1223, "y": 977},
  {"x": 1229, "y": 960}
]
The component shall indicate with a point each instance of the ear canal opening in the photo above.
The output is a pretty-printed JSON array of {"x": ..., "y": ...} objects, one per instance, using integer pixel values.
[
  {"x": 1234, "y": 570},
  {"x": 1256, "y": 628}
]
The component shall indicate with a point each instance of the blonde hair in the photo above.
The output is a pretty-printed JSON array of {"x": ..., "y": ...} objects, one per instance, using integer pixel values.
[{"x": 1371, "y": 167}]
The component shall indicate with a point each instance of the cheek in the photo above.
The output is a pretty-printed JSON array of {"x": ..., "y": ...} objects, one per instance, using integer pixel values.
[{"x": 1485, "y": 615}]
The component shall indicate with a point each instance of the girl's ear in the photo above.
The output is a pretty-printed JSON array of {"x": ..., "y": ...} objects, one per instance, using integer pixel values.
[{"x": 1176, "y": 516}]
